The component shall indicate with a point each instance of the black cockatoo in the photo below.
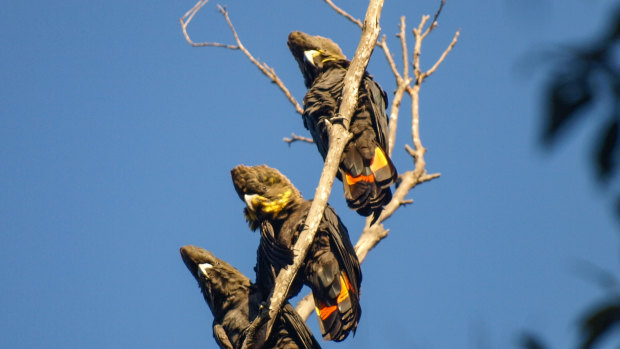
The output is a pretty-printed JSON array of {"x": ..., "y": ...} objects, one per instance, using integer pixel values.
[
  {"x": 331, "y": 268},
  {"x": 229, "y": 294},
  {"x": 366, "y": 170}
]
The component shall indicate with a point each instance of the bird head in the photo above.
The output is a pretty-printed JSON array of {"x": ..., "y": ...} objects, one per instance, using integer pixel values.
[
  {"x": 266, "y": 192},
  {"x": 218, "y": 280},
  {"x": 311, "y": 53}
]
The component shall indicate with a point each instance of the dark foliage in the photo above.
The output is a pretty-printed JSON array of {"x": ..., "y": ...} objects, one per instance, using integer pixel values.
[
  {"x": 531, "y": 341},
  {"x": 607, "y": 151},
  {"x": 598, "y": 322},
  {"x": 587, "y": 77}
]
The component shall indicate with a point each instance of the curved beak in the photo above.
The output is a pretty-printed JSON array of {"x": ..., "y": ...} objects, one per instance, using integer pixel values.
[
  {"x": 203, "y": 268},
  {"x": 248, "y": 200},
  {"x": 309, "y": 56}
]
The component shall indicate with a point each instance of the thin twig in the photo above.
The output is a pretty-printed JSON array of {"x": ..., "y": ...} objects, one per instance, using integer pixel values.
[
  {"x": 403, "y": 47},
  {"x": 443, "y": 55},
  {"x": 344, "y": 13},
  {"x": 390, "y": 59},
  {"x": 263, "y": 67},
  {"x": 394, "y": 111},
  {"x": 402, "y": 84},
  {"x": 189, "y": 15},
  {"x": 417, "y": 33},
  {"x": 297, "y": 138},
  {"x": 437, "y": 13},
  {"x": 271, "y": 74}
]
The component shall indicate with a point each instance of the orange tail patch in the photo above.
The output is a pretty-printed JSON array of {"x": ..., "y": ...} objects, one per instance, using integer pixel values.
[
  {"x": 379, "y": 161},
  {"x": 324, "y": 311},
  {"x": 352, "y": 180},
  {"x": 344, "y": 292}
]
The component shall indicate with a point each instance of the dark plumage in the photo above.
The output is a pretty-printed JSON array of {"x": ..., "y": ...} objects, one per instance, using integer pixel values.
[
  {"x": 331, "y": 268},
  {"x": 231, "y": 298},
  {"x": 365, "y": 168}
]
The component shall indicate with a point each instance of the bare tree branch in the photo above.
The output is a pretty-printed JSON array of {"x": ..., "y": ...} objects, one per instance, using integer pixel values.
[
  {"x": 263, "y": 67},
  {"x": 344, "y": 13},
  {"x": 338, "y": 138},
  {"x": 443, "y": 55},
  {"x": 402, "y": 84},
  {"x": 189, "y": 15},
  {"x": 297, "y": 138},
  {"x": 394, "y": 111},
  {"x": 389, "y": 58},
  {"x": 403, "y": 47},
  {"x": 437, "y": 13}
]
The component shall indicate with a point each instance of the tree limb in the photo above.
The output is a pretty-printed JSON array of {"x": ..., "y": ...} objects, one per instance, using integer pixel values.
[{"x": 338, "y": 138}]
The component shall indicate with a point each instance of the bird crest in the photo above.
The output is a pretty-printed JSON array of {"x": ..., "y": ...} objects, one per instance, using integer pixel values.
[
  {"x": 219, "y": 280},
  {"x": 312, "y": 52},
  {"x": 266, "y": 192}
]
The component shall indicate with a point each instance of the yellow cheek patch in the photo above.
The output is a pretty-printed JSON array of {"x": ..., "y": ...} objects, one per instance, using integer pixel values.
[{"x": 276, "y": 205}]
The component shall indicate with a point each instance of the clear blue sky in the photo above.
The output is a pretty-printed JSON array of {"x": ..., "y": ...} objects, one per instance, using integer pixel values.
[{"x": 117, "y": 137}]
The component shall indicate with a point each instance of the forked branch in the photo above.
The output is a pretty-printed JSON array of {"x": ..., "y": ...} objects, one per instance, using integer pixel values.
[
  {"x": 263, "y": 67},
  {"x": 187, "y": 18}
]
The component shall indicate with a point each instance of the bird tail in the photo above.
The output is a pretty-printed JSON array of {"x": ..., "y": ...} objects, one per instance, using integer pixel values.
[
  {"x": 297, "y": 328},
  {"x": 369, "y": 191},
  {"x": 338, "y": 309}
]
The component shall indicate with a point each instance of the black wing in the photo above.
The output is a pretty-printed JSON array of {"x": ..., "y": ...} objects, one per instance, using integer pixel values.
[
  {"x": 273, "y": 250},
  {"x": 272, "y": 256},
  {"x": 322, "y": 102},
  {"x": 297, "y": 329},
  {"x": 378, "y": 101},
  {"x": 339, "y": 236},
  {"x": 334, "y": 276}
]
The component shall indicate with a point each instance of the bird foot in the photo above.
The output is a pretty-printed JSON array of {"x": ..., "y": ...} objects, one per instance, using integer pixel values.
[{"x": 337, "y": 119}]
